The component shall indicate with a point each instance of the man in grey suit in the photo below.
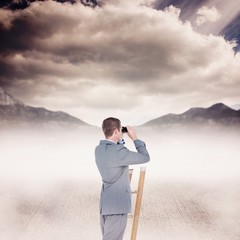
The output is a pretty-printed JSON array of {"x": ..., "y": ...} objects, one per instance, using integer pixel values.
[{"x": 113, "y": 160}]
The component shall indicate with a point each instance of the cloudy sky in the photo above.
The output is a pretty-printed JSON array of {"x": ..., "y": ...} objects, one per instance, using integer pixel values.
[{"x": 127, "y": 59}]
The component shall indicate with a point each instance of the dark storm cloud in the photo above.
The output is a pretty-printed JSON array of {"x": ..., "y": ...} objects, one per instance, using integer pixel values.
[
  {"x": 31, "y": 36},
  {"x": 22, "y": 4},
  {"x": 15, "y": 4},
  {"x": 98, "y": 38},
  {"x": 22, "y": 35},
  {"x": 25, "y": 35},
  {"x": 27, "y": 28},
  {"x": 72, "y": 56},
  {"x": 113, "y": 43}
]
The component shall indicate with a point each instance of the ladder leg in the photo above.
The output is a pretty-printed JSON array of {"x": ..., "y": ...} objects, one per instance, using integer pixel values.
[
  {"x": 130, "y": 174},
  {"x": 138, "y": 203}
]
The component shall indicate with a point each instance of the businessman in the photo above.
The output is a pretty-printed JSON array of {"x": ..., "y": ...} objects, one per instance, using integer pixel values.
[{"x": 113, "y": 160}]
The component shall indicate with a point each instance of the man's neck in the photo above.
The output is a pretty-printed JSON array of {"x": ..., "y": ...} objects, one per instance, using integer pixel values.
[{"x": 111, "y": 140}]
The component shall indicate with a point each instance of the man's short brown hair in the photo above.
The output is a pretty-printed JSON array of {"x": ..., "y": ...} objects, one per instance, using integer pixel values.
[{"x": 109, "y": 125}]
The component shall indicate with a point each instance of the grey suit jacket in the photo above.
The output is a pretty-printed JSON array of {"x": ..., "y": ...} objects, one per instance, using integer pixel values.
[{"x": 113, "y": 162}]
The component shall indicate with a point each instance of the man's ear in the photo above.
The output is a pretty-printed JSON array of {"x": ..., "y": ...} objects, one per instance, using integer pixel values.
[{"x": 115, "y": 131}]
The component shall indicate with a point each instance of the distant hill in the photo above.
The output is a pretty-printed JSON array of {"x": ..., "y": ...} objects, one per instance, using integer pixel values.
[
  {"x": 216, "y": 115},
  {"x": 13, "y": 111}
]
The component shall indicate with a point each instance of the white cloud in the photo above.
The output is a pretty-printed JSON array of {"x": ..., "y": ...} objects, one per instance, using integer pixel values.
[
  {"x": 205, "y": 14},
  {"x": 228, "y": 10}
]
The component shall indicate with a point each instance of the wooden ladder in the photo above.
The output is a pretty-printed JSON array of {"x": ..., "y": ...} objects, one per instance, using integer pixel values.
[{"x": 138, "y": 202}]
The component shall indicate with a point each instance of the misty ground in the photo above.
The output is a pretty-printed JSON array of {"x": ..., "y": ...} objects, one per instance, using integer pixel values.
[{"x": 49, "y": 185}]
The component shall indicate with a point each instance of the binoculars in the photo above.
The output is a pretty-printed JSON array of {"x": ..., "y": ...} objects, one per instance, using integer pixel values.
[{"x": 124, "y": 130}]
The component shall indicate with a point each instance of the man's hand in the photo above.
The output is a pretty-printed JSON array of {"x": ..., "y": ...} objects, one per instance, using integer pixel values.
[{"x": 132, "y": 133}]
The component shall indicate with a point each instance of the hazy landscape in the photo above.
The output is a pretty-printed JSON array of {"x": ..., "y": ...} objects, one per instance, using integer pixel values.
[{"x": 50, "y": 185}]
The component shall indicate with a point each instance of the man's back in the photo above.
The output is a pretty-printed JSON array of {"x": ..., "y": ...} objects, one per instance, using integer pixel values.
[{"x": 113, "y": 162}]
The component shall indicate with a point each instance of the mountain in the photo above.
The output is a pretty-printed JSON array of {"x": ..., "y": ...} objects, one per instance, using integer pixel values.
[
  {"x": 7, "y": 99},
  {"x": 13, "y": 111},
  {"x": 216, "y": 115}
]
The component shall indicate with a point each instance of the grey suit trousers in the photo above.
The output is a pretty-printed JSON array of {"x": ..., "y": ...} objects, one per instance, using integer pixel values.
[{"x": 113, "y": 226}]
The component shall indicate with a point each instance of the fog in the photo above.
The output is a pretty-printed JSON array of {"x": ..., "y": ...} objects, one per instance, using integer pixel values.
[
  {"x": 49, "y": 184},
  {"x": 69, "y": 154},
  {"x": 195, "y": 155}
]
